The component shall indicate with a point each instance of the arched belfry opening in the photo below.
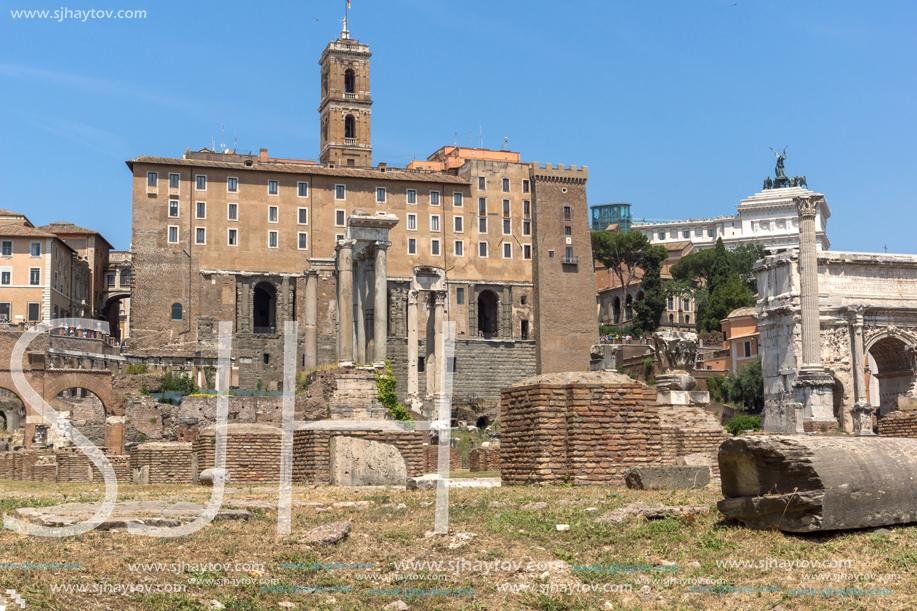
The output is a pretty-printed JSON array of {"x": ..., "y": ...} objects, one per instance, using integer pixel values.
[
  {"x": 349, "y": 81},
  {"x": 487, "y": 314},
  {"x": 350, "y": 127},
  {"x": 265, "y": 308}
]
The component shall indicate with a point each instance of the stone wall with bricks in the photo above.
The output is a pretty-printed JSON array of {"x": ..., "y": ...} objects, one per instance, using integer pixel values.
[
  {"x": 898, "y": 424},
  {"x": 167, "y": 463},
  {"x": 691, "y": 436},
  {"x": 582, "y": 428},
  {"x": 66, "y": 465},
  {"x": 484, "y": 459},
  {"x": 431, "y": 458},
  {"x": 252, "y": 453},
  {"x": 312, "y": 452}
]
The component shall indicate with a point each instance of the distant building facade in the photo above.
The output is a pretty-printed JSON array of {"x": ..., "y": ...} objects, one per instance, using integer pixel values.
[
  {"x": 768, "y": 218},
  {"x": 610, "y": 214}
]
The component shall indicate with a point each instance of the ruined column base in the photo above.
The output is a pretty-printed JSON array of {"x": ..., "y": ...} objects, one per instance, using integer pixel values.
[{"x": 814, "y": 389}]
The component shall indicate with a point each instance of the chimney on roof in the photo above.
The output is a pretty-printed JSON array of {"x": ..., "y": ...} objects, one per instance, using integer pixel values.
[
  {"x": 263, "y": 155},
  {"x": 187, "y": 153},
  {"x": 382, "y": 166}
]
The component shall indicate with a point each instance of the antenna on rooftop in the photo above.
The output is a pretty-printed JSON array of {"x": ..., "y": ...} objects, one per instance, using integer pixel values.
[
  {"x": 505, "y": 143},
  {"x": 222, "y": 138},
  {"x": 213, "y": 145},
  {"x": 480, "y": 137},
  {"x": 456, "y": 138}
]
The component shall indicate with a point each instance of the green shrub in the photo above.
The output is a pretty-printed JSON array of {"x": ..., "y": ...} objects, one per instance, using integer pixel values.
[
  {"x": 648, "y": 366},
  {"x": 385, "y": 384},
  {"x": 144, "y": 390},
  {"x": 738, "y": 424},
  {"x": 135, "y": 368},
  {"x": 182, "y": 383},
  {"x": 716, "y": 385}
]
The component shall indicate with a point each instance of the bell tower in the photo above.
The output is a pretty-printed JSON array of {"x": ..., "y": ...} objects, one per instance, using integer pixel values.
[{"x": 345, "y": 109}]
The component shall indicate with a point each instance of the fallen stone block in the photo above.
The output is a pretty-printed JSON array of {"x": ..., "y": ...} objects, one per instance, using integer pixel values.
[
  {"x": 662, "y": 477},
  {"x": 208, "y": 477},
  {"x": 806, "y": 484},
  {"x": 651, "y": 512},
  {"x": 427, "y": 482},
  {"x": 328, "y": 533}
]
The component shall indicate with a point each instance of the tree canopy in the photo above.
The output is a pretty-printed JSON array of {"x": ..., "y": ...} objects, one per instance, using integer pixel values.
[
  {"x": 619, "y": 252},
  {"x": 648, "y": 311}
]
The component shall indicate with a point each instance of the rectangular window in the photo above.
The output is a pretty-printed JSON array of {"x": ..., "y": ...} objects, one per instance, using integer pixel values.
[
  {"x": 527, "y": 252},
  {"x": 173, "y": 234},
  {"x": 340, "y": 192},
  {"x": 412, "y": 196},
  {"x": 458, "y": 224},
  {"x": 273, "y": 187},
  {"x": 686, "y": 305},
  {"x": 482, "y": 249},
  {"x": 233, "y": 237},
  {"x": 35, "y": 249},
  {"x": 567, "y": 213},
  {"x": 506, "y": 185},
  {"x": 460, "y": 296},
  {"x": 338, "y": 218},
  {"x": 412, "y": 246},
  {"x": 173, "y": 208},
  {"x": 434, "y": 248},
  {"x": 303, "y": 241},
  {"x": 506, "y": 208},
  {"x": 459, "y": 249},
  {"x": 233, "y": 213},
  {"x": 711, "y": 233},
  {"x": 201, "y": 210},
  {"x": 302, "y": 216},
  {"x": 380, "y": 195},
  {"x": 526, "y": 227},
  {"x": 34, "y": 276},
  {"x": 173, "y": 181},
  {"x": 6, "y": 276},
  {"x": 526, "y": 208},
  {"x": 339, "y": 237},
  {"x": 568, "y": 230},
  {"x": 482, "y": 183},
  {"x": 200, "y": 182},
  {"x": 434, "y": 222},
  {"x": 686, "y": 234},
  {"x": 671, "y": 303},
  {"x": 747, "y": 348},
  {"x": 482, "y": 206},
  {"x": 151, "y": 179},
  {"x": 272, "y": 214},
  {"x": 412, "y": 222},
  {"x": 661, "y": 235},
  {"x": 525, "y": 186},
  {"x": 434, "y": 198},
  {"x": 507, "y": 227},
  {"x": 34, "y": 311},
  {"x": 302, "y": 189},
  {"x": 232, "y": 184},
  {"x": 200, "y": 236},
  {"x": 6, "y": 248},
  {"x": 272, "y": 239},
  {"x": 6, "y": 311},
  {"x": 482, "y": 224},
  {"x": 568, "y": 257},
  {"x": 457, "y": 199},
  {"x": 507, "y": 250}
]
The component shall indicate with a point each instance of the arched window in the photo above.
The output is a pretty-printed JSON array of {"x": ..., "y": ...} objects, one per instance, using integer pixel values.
[
  {"x": 125, "y": 277},
  {"x": 349, "y": 81},
  {"x": 616, "y": 309},
  {"x": 687, "y": 319},
  {"x": 176, "y": 311},
  {"x": 487, "y": 314},
  {"x": 350, "y": 127},
  {"x": 265, "y": 308},
  {"x": 671, "y": 318}
]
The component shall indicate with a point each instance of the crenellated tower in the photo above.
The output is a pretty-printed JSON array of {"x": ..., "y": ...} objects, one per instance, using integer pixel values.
[{"x": 345, "y": 111}]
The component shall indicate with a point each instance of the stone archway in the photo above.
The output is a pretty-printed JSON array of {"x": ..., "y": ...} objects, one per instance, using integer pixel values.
[
  {"x": 264, "y": 308},
  {"x": 890, "y": 368},
  {"x": 112, "y": 312},
  {"x": 12, "y": 411}
]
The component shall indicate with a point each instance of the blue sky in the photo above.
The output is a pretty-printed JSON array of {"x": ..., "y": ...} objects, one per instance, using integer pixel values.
[{"x": 672, "y": 105}]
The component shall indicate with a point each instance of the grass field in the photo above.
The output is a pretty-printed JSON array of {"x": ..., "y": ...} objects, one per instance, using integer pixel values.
[{"x": 516, "y": 558}]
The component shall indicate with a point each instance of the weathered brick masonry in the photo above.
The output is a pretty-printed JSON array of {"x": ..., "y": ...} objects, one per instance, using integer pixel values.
[
  {"x": 484, "y": 459},
  {"x": 431, "y": 459},
  {"x": 898, "y": 424},
  {"x": 169, "y": 463},
  {"x": 67, "y": 465},
  {"x": 312, "y": 452},
  {"x": 252, "y": 452}
]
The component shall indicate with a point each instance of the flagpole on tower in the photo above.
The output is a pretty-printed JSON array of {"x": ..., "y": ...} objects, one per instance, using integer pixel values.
[{"x": 345, "y": 33}]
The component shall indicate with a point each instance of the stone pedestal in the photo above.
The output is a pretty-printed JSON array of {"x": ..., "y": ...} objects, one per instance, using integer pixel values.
[
  {"x": 814, "y": 389},
  {"x": 862, "y": 419}
]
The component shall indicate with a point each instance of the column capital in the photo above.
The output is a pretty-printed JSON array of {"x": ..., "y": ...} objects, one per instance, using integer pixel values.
[
  {"x": 439, "y": 297},
  {"x": 807, "y": 205},
  {"x": 310, "y": 273},
  {"x": 856, "y": 312},
  {"x": 382, "y": 244},
  {"x": 412, "y": 297},
  {"x": 344, "y": 245}
]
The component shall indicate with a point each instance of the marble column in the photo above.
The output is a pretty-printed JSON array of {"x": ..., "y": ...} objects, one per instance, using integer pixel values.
[
  {"x": 413, "y": 382},
  {"x": 813, "y": 387},
  {"x": 380, "y": 309},
  {"x": 862, "y": 411},
  {"x": 359, "y": 354},
  {"x": 439, "y": 301},
  {"x": 345, "y": 300},
  {"x": 430, "y": 362},
  {"x": 310, "y": 326}
]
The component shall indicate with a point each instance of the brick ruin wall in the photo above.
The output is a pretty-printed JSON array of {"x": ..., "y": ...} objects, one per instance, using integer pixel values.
[
  {"x": 431, "y": 459},
  {"x": 312, "y": 452},
  {"x": 484, "y": 459},
  {"x": 169, "y": 463},
  {"x": 251, "y": 458},
  {"x": 67, "y": 465},
  {"x": 898, "y": 424},
  {"x": 589, "y": 434}
]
